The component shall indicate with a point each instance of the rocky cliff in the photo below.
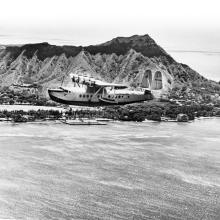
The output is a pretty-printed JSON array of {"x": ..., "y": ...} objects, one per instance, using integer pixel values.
[{"x": 135, "y": 61}]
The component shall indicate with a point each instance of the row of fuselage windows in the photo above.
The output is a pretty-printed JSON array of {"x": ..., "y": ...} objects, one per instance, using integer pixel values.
[{"x": 98, "y": 96}]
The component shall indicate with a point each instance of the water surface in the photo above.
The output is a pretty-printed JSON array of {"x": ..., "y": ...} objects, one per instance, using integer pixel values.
[{"x": 120, "y": 171}]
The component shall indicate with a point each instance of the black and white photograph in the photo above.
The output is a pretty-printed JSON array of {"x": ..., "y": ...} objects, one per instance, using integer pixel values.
[{"x": 109, "y": 110}]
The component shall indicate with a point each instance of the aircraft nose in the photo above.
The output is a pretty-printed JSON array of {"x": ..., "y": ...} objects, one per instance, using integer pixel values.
[{"x": 49, "y": 91}]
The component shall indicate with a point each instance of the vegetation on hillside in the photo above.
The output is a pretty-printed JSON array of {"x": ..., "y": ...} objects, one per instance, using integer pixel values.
[{"x": 8, "y": 96}]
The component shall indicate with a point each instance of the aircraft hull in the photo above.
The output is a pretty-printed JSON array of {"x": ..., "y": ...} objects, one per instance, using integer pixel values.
[{"x": 70, "y": 98}]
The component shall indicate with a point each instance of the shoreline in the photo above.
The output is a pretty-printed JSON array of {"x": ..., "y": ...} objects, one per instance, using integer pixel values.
[
  {"x": 27, "y": 108},
  {"x": 59, "y": 121},
  {"x": 31, "y": 113}
]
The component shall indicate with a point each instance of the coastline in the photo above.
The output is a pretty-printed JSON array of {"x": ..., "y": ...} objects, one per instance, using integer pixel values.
[
  {"x": 39, "y": 114},
  {"x": 29, "y": 108}
]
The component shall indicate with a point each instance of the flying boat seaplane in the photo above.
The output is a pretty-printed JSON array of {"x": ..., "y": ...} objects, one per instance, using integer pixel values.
[{"x": 88, "y": 91}]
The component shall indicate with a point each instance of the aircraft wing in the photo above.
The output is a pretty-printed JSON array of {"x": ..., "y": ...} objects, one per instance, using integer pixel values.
[
  {"x": 91, "y": 81},
  {"x": 105, "y": 84}
]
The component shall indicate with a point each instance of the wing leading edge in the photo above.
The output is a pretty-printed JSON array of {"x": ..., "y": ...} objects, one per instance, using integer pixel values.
[{"x": 91, "y": 81}]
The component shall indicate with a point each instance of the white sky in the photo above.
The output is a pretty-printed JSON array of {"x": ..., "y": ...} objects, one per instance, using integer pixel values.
[{"x": 174, "y": 24}]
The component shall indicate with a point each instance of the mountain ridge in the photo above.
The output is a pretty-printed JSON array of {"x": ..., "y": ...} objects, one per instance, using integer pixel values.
[{"x": 134, "y": 61}]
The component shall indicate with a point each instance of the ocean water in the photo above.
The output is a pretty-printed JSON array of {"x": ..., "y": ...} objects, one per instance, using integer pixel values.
[
  {"x": 123, "y": 170},
  {"x": 207, "y": 63}
]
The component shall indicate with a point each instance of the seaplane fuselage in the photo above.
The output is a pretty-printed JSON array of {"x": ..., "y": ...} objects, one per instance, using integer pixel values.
[{"x": 97, "y": 93}]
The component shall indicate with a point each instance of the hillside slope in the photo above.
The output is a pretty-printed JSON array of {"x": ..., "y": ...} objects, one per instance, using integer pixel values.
[{"x": 135, "y": 61}]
